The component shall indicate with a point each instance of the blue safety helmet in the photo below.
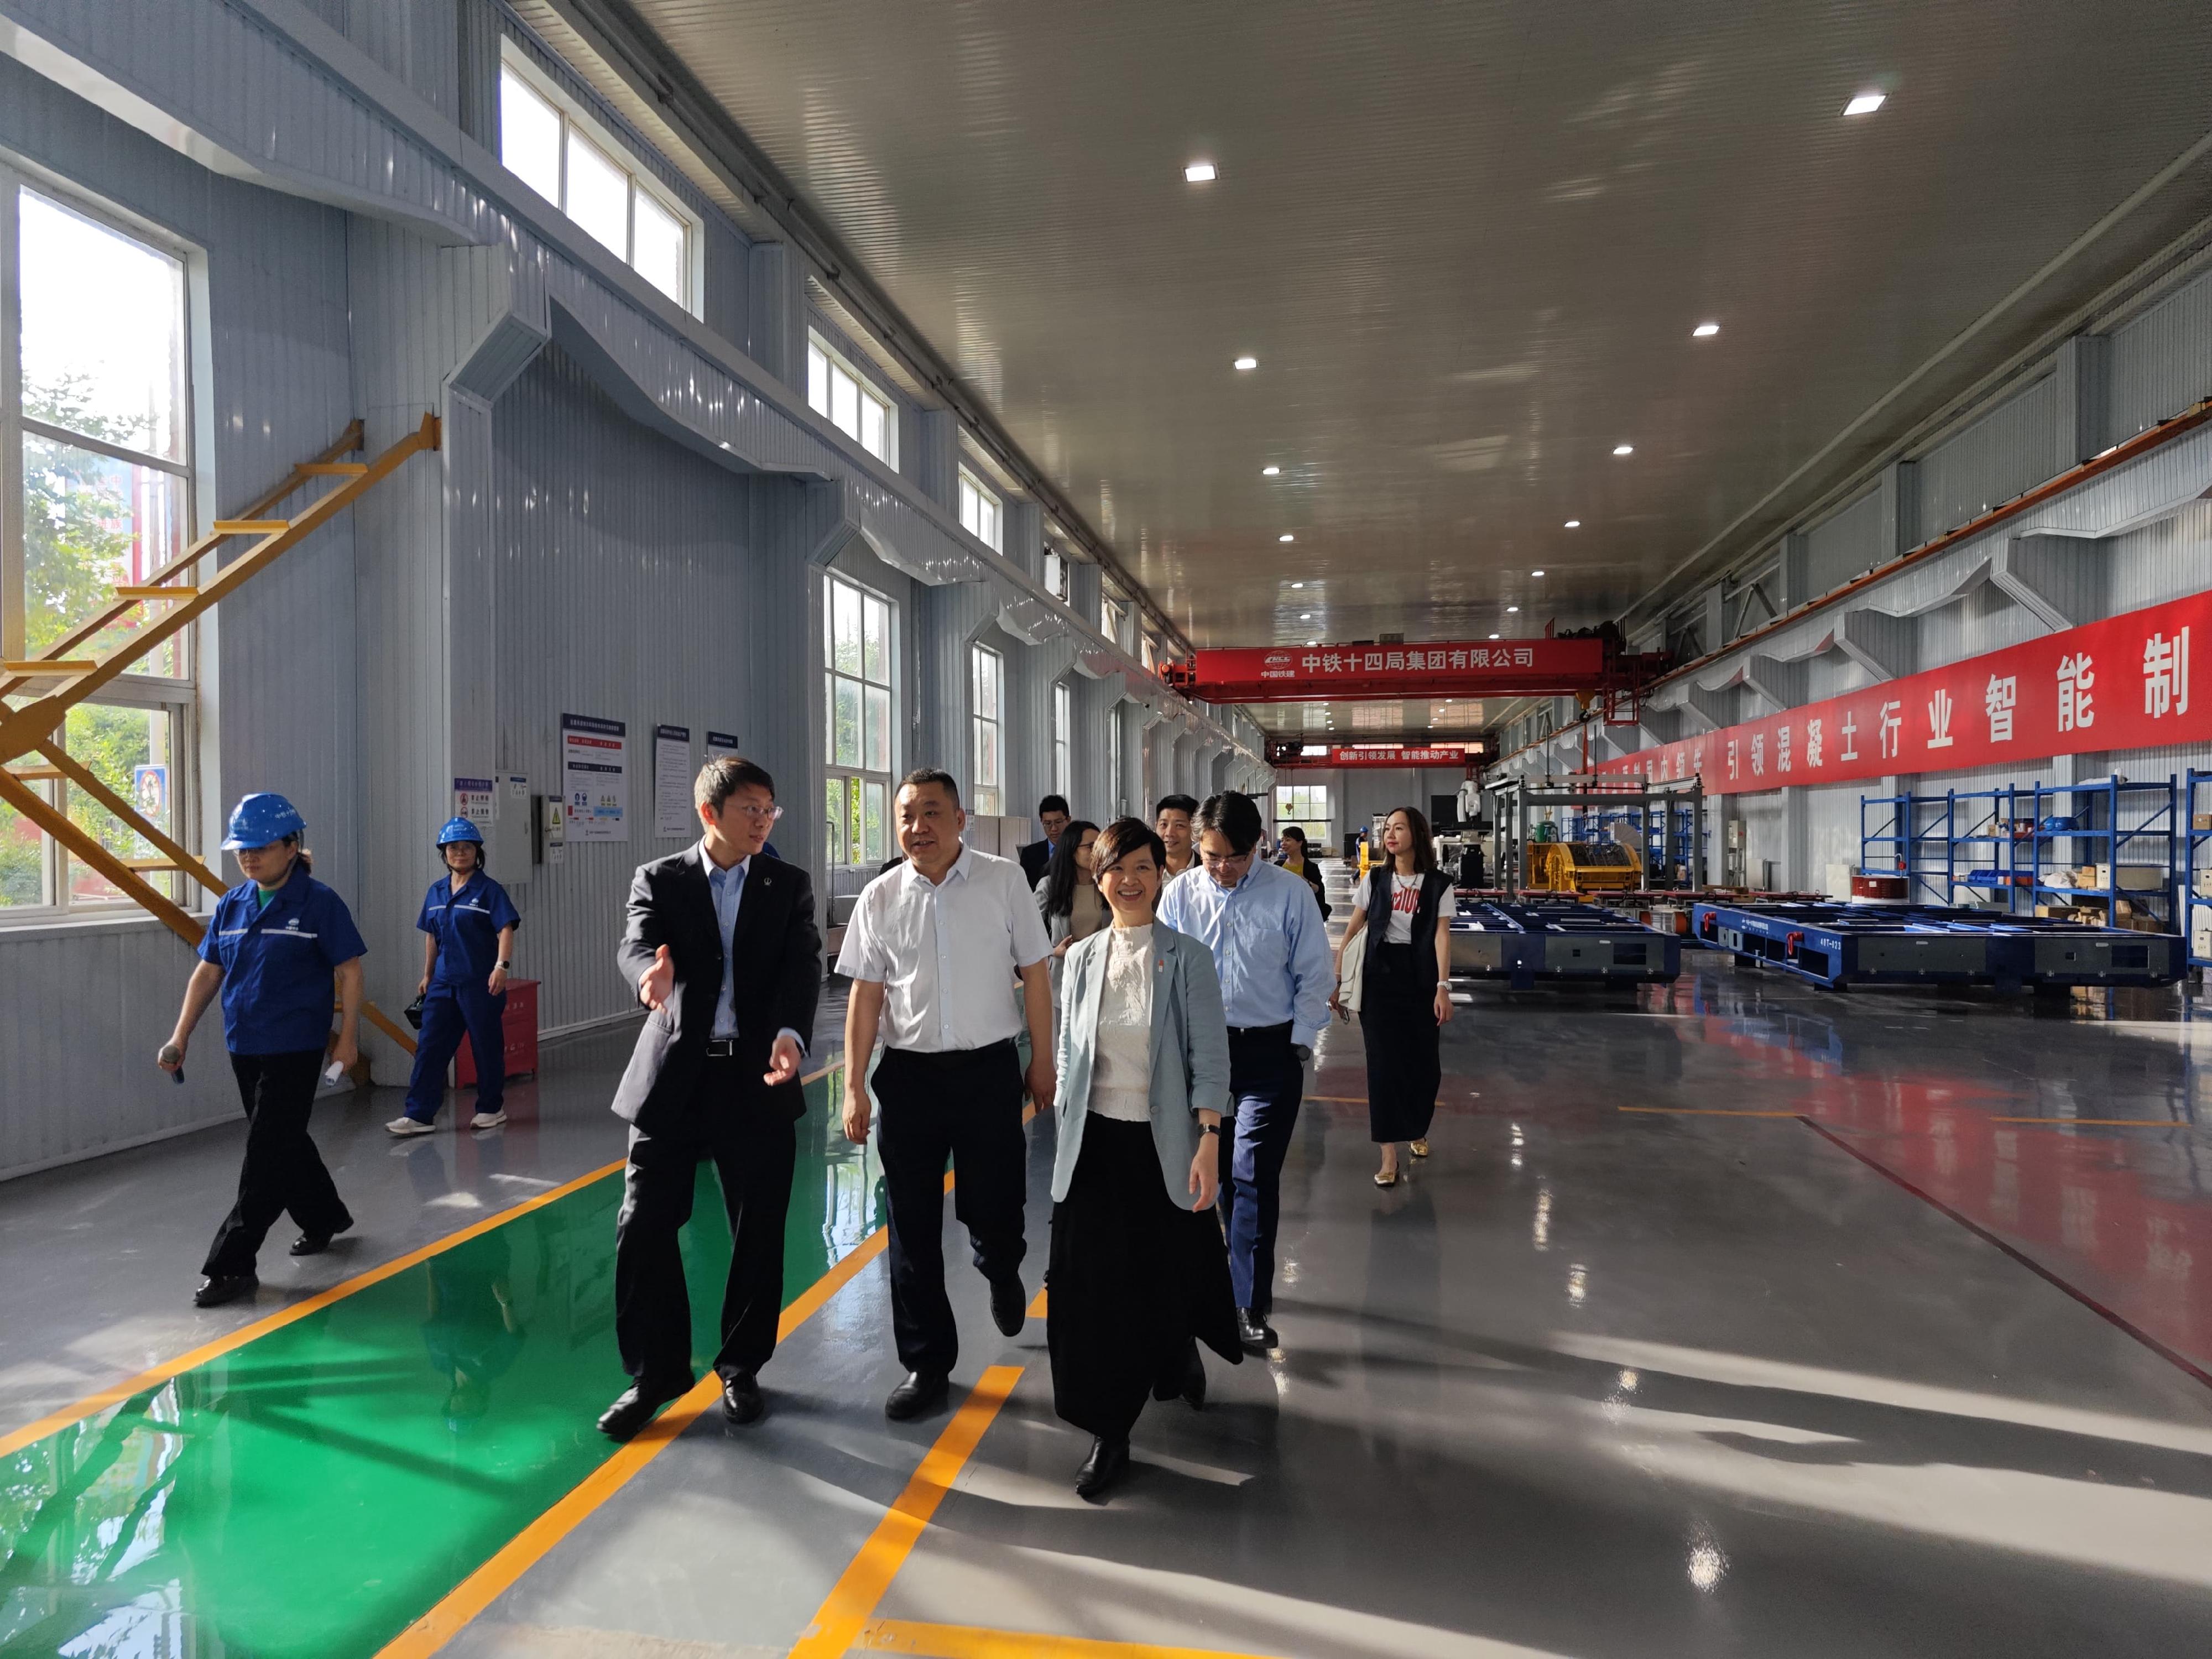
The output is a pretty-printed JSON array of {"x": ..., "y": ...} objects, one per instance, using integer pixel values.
[
  {"x": 455, "y": 829},
  {"x": 262, "y": 820}
]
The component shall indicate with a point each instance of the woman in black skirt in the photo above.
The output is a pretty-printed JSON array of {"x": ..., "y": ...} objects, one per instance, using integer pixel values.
[
  {"x": 1139, "y": 1276},
  {"x": 1405, "y": 988}
]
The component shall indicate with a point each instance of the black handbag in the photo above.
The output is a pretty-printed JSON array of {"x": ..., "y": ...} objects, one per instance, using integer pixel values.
[{"x": 414, "y": 1011}]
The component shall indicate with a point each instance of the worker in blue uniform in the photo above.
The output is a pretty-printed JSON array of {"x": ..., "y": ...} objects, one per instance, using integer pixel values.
[
  {"x": 280, "y": 947},
  {"x": 468, "y": 924}
]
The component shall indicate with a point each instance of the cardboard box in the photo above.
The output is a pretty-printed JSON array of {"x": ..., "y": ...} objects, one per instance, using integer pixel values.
[
  {"x": 2133, "y": 877},
  {"x": 2202, "y": 882},
  {"x": 2201, "y": 821}
]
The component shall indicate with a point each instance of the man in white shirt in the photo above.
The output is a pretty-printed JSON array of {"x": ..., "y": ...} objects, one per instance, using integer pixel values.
[{"x": 932, "y": 949}]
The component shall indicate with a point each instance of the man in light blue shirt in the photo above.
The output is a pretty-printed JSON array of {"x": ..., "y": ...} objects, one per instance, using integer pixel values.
[{"x": 1271, "y": 949}]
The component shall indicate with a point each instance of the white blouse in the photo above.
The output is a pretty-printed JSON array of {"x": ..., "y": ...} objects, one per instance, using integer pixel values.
[{"x": 1121, "y": 1071}]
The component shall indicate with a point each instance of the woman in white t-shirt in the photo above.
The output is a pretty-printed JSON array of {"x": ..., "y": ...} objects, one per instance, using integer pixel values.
[{"x": 1404, "y": 995}]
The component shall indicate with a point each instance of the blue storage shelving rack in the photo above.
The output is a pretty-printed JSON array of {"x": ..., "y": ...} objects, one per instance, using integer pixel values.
[
  {"x": 2191, "y": 900},
  {"x": 2005, "y": 841}
]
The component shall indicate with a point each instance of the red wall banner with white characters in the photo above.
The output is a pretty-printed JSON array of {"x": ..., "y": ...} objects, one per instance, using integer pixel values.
[{"x": 2122, "y": 683}]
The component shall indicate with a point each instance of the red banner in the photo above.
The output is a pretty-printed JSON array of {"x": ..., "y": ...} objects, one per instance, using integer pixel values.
[
  {"x": 2121, "y": 683},
  {"x": 1320, "y": 673},
  {"x": 1374, "y": 755}
]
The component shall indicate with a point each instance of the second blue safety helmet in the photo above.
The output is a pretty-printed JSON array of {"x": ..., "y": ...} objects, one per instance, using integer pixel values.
[{"x": 455, "y": 829}]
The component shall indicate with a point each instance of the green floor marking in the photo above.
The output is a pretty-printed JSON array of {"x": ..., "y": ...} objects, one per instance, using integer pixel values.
[{"x": 313, "y": 1492}]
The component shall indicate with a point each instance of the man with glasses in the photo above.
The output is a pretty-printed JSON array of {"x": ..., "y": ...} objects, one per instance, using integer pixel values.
[
  {"x": 1271, "y": 948},
  {"x": 722, "y": 946}
]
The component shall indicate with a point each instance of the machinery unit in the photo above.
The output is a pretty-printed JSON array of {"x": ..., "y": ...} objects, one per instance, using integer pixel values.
[
  {"x": 1525, "y": 940},
  {"x": 1583, "y": 866},
  {"x": 1838, "y": 946}
]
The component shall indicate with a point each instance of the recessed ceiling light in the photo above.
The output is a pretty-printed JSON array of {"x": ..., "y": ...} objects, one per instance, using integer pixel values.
[
  {"x": 1574, "y": 524},
  {"x": 1286, "y": 537},
  {"x": 1866, "y": 103},
  {"x": 1536, "y": 572},
  {"x": 1512, "y": 609},
  {"x": 1624, "y": 449},
  {"x": 1305, "y": 616},
  {"x": 1705, "y": 331},
  {"x": 1297, "y": 584},
  {"x": 1493, "y": 636},
  {"x": 1199, "y": 173},
  {"x": 1271, "y": 472},
  {"x": 1313, "y": 641},
  {"x": 1248, "y": 362}
]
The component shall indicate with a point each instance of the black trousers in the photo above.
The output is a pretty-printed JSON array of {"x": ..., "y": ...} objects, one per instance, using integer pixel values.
[
  {"x": 752, "y": 1147},
  {"x": 282, "y": 1171},
  {"x": 965, "y": 1105},
  {"x": 1397, "y": 1025}
]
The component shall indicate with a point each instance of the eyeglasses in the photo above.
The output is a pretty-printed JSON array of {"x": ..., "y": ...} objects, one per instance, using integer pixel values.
[{"x": 757, "y": 814}]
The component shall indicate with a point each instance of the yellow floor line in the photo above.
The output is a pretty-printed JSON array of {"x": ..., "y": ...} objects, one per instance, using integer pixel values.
[
  {"x": 972, "y": 1642},
  {"x": 852, "y": 1600},
  {"x": 154, "y": 1375},
  {"x": 1703, "y": 1111}
]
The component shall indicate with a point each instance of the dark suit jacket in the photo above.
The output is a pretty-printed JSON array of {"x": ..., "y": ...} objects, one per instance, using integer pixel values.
[
  {"x": 777, "y": 948},
  {"x": 1034, "y": 858}
]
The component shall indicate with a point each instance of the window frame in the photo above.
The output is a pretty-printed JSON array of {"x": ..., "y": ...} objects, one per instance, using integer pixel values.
[
  {"x": 177, "y": 697},
  {"x": 836, "y": 361},
  {"x": 1058, "y": 579},
  {"x": 513, "y": 60},
  {"x": 1063, "y": 739},
  {"x": 855, "y": 780},
  {"x": 984, "y": 499},
  {"x": 1113, "y": 617},
  {"x": 1316, "y": 828},
  {"x": 990, "y": 794}
]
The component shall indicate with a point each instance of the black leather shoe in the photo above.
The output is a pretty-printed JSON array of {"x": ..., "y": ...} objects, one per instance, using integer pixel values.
[
  {"x": 1254, "y": 1332},
  {"x": 741, "y": 1398},
  {"x": 635, "y": 1406},
  {"x": 1009, "y": 1309},
  {"x": 1194, "y": 1381},
  {"x": 1108, "y": 1462},
  {"x": 316, "y": 1243},
  {"x": 220, "y": 1288},
  {"x": 917, "y": 1396}
]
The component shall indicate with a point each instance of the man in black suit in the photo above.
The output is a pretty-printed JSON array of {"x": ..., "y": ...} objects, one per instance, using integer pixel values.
[
  {"x": 722, "y": 946},
  {"x": 1052, "y": 818}
]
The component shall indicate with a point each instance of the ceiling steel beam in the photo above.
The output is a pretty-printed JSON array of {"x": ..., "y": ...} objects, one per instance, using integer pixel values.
[{"x": 629, "y": 48}]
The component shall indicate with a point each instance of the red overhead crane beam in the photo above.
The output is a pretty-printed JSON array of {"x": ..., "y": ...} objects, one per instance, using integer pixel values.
[{"x": 1589, "y": 666}]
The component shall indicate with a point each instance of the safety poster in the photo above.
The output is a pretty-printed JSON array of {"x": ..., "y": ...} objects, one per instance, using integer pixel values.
[
  {"x": 672, "y": 819},
  {"x": 595, "y": 777}
]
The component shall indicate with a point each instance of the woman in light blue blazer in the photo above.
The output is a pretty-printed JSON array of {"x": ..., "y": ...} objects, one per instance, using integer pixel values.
[{"x": 1139, "y": 1276}]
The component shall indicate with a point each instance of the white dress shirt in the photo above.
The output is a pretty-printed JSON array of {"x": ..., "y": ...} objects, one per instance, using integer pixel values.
[{"x": 945, "y": 952}]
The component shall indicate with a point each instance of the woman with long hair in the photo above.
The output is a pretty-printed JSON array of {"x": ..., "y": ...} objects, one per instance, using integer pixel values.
[
  {"x": 1067, "y": 898},
  {"x": 1139, "y": 1275},
  {"x": 1297, "y": 858},
  {"x": 1405, "y": 993}
]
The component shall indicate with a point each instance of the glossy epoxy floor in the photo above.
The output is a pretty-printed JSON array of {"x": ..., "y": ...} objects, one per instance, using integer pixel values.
[{"x": 1914, "y": 1366}]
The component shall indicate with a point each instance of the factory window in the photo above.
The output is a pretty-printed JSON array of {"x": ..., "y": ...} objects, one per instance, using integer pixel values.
[
  {"x": 549, "y": 142},
  {"x": 841, "y": 394},
  {"x": 859, "y": 654},
  {"x": 1063, "y": 739},
  {"x": 1116, "y": 784},
  {"x": 98, "y": 411},
  {"x": 1305, "y": 805},
  {"x": 1055, "y": 574},
  {"x": 987, "y": 689},
  {"x": 980, "y": 511},
  {"x": 1112, "y": 613}
]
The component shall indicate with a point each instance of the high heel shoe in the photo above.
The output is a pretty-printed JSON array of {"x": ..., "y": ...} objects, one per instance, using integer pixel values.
[
  {"x": 1389, "y": 1179},
  {"x": 1420, "y": 1149}
]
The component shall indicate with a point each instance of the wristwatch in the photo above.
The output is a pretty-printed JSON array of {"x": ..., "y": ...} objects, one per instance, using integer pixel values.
[
  {"x": 1209, "y": 1128},
  {"x": 504, "y": 967}
]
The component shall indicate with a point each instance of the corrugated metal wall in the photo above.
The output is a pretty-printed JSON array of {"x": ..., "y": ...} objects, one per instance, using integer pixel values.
[
  {"x": 2008, "y": 451},
  {"x": 85, "y": 1004},
  {"x": 2161, "y": 362}
]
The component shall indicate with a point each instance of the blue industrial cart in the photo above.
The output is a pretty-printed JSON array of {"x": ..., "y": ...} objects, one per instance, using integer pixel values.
[{"x": 1521, "y": 941}]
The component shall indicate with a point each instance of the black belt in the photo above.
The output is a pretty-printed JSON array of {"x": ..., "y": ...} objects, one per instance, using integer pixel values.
[{"x": 1282, "y": 1030}]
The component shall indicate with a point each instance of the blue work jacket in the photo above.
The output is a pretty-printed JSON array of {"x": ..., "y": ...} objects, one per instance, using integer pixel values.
[
  {"x": 278, "y": 962},
  {"x": 467, "y": 927}
]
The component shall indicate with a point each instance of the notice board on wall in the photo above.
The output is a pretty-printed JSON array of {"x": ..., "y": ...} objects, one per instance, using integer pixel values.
[{"x": 595, "y": 777}]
